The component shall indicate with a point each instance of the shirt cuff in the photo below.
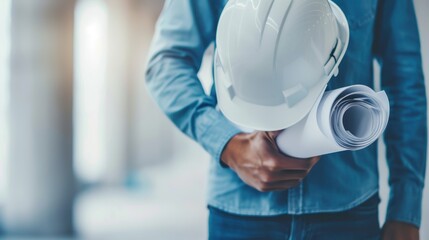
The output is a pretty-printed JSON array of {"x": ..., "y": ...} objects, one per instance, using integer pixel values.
[
  {"x": 405, "y": 203},
  {"x": 217, "y": 134}
]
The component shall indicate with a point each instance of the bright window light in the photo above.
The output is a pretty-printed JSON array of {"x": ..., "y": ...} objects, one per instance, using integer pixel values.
[
  {"x": 4, "y": 92},
  {"x": 91, "y": 20}
]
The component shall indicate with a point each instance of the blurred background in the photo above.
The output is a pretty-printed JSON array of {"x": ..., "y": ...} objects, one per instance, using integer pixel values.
[{"x": 84, "y": 151}]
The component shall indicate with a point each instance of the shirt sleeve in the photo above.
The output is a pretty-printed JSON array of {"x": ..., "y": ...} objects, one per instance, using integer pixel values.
[
  {"x": 397, "y": 48},
  {"x": 183, "y": 32}
]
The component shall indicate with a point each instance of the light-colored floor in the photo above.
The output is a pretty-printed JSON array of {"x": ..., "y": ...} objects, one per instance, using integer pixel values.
[{"x": 168, "y": 204}]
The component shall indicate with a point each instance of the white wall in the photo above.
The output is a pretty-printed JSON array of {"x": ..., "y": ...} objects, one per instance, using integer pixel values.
[{"x": 4, "y": 90}]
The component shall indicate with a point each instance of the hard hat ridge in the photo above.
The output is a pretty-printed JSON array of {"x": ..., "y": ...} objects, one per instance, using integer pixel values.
[{"x": 275, "y": 57}]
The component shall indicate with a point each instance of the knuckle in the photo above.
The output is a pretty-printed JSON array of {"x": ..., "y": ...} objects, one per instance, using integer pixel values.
[
  {"x": 264, "y": 178},
  {"x": 267, "y": 162},
  {"x": 271, "y": 164}
]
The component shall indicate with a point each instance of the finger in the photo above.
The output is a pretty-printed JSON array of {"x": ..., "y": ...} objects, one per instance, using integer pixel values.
[
  {"x": 279, "y": 186},
  {"x": 279, "y": 161},
  {"x": 273, "y": 158},
  {"x": 282, "y": 175}
]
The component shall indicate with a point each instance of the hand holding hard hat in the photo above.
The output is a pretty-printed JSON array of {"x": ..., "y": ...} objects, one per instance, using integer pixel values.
[
  {"x": 273, "y": 61},
  {"x": 259, "y": 163}
]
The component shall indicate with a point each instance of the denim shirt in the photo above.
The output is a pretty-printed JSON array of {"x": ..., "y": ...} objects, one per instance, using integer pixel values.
[{"x": 385, "y": 30}]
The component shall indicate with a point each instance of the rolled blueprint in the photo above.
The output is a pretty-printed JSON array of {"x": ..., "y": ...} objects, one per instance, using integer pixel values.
[{"x": 349, "y": 118}]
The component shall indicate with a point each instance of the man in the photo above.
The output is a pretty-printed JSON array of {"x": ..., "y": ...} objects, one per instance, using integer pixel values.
[{"x": 258, "y": 193}]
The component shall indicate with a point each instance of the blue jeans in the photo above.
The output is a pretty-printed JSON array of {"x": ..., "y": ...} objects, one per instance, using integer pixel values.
[{"x": 360, "y": 223}]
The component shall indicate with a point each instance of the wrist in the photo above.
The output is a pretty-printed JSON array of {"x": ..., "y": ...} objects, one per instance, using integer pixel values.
[
  {"x": 229, "y": 152},
  {"x": 399, "y": 230},
  {"x": 399, "y": 222}
]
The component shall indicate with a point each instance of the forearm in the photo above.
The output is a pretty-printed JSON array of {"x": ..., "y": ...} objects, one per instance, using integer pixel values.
[{"x": 176, "y": 53}]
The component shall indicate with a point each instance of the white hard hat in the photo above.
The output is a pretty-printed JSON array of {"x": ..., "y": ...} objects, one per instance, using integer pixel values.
[{"x": 274, "y": 59}]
